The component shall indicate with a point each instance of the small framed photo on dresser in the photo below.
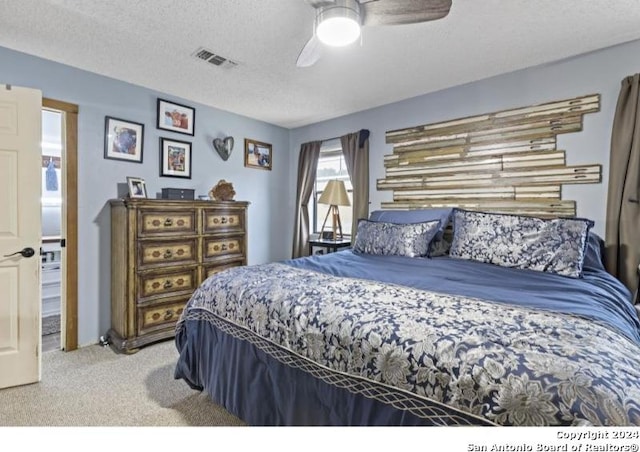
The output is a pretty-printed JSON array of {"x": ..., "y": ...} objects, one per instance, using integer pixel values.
[{"x": 137, "y": 187}]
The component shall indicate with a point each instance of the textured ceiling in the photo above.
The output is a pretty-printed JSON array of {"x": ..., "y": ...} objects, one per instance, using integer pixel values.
[{"x": 151, "y": 43}]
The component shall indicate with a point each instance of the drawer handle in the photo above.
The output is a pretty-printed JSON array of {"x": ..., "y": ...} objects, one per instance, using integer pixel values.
[
  {"x": 168, "y": 222},
  {"x": 168, "y": 254},
  {"x": 168, "y": 284},
  {"x": 223, "y": 220},
  {"x": 168, "y": 314}
]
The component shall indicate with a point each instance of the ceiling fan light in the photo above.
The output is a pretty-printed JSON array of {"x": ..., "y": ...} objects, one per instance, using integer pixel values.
[
  {"x": 339, "y": 25},
  {"x": 338, "y": 31}
]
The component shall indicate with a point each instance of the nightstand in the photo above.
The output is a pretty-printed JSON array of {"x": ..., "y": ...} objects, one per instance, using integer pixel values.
[{"x": 329, "y": 245}]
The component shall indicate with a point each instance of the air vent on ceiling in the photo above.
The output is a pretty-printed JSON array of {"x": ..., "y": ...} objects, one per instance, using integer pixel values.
[{"x": 209, "y": 57}]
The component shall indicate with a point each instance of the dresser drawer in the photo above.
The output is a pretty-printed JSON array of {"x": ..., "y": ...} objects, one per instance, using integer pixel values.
[
  {"x": 225, "y": 247},
  {"x": 152, "y": 222},
  {"x": 222, "y": 220},
  {"x": 167, "y": 252},
  {"x": 158, "y": 316},
  {"x": 209, "y": 270},
  {"x": 168, "y": 282}
]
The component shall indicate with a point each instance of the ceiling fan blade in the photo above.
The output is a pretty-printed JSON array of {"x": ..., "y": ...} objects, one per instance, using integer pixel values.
[
  {"x": 320, "y": 3},
  {"x": 397, "y": 12},
  {"x": 310, "y": 53}
]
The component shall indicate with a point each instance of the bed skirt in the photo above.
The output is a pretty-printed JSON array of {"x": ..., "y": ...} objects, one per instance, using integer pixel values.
[{"x": 264, "y": 385}]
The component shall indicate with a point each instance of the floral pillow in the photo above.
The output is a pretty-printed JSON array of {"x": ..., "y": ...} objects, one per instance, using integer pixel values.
[
  {"x": 411, "y": 240},
  {"x": 547, "y": 245},
  {"x": 441, "y": 242}
]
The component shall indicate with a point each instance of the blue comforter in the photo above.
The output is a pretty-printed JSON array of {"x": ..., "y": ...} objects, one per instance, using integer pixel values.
[
  {"x": 598, "y": 295},
  {"x": 448, "y": 341}
]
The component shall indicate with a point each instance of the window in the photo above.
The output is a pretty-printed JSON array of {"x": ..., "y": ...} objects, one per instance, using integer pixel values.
[{"x": 331, "y": 165}]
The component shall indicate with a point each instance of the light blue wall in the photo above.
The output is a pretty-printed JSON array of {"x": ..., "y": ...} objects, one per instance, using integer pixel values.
[
  {"x": 98, "y": 178},
  {"x": 272, "y": 193},
  {"x": 598, "y": 72}
]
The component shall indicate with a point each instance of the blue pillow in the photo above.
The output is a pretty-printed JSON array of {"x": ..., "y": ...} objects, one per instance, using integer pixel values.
[
  {"x": 381, "y": 238},
  {"x": 412, "y": 216},
  {"x": 594, "y": 254},
  {"x": 440, "y": 244},
  {"x": 547, "y": 245}
]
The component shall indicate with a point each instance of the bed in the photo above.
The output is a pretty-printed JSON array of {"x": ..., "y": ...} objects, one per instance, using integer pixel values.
[{"x": 406, "y": 333}]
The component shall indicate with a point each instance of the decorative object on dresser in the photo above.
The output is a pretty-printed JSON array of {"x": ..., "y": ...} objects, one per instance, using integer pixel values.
[
  {"x": 506, "y": 161},
  {"x": 257, "y": 154},
  {"x": 224, "y": 147},
  {"x": 161, "y": 250},
  {"x": 222, "y": 191},
  {"x": 176, "y": 117},
  {"x": 123, "y": 139},
  {"x": 175, "y": 158},
  {"x": 137, "y": 187},
  {"x": 178, "y": 193}
]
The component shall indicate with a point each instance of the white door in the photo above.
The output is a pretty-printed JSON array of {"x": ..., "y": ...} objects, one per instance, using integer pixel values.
[{"x": 20, "y": 230}]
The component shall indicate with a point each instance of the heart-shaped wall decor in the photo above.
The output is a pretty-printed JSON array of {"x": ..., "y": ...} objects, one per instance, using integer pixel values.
[{"x": 224, "y": 147}]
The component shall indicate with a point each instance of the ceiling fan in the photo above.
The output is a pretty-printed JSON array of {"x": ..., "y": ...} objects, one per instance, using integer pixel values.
[{"x": 338, "y": 22}]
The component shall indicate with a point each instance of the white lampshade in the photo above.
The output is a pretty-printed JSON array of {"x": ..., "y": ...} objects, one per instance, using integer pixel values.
[
  {"x": 335, "y": 194},
  {"x": 339, "y": 25}
]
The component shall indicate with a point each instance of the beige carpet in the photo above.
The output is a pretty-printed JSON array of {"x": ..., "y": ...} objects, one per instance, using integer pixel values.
[{"x": 93, "y": 386}]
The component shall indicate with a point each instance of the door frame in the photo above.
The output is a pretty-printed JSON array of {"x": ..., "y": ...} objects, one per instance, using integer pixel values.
[{"x": 69, "y": 338}]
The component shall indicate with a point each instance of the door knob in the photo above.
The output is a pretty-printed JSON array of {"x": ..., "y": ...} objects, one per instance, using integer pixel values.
[{"x": 25, "y": 252}]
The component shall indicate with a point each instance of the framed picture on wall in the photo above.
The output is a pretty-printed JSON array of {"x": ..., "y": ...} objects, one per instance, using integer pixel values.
[
  {"x": 257, "y": 154},
  {"x": 175, "y": 158},
  {"x": 137, "y": 187},
  {"x": 176, "y": 117},
  {"x": 123, "y": 139}
]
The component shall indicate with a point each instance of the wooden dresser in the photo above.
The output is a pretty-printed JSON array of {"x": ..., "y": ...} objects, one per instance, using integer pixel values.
[{"x": 161, "y": 250}]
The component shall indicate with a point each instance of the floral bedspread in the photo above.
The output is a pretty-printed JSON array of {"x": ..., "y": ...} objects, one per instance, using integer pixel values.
[{"x": 503, "y": 364}]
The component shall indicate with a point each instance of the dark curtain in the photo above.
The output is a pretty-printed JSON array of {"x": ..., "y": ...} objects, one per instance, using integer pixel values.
[
  {"x": 307, "y": 165},
  {"x": 623, "y": 203},
  {"x": 355, "y": 147}
]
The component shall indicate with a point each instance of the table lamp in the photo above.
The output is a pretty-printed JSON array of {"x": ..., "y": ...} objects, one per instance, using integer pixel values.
[{"x": 334, "y": 194}]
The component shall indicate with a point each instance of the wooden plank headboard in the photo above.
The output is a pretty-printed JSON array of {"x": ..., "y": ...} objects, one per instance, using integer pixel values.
[{"x": 505, "y": 161}]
